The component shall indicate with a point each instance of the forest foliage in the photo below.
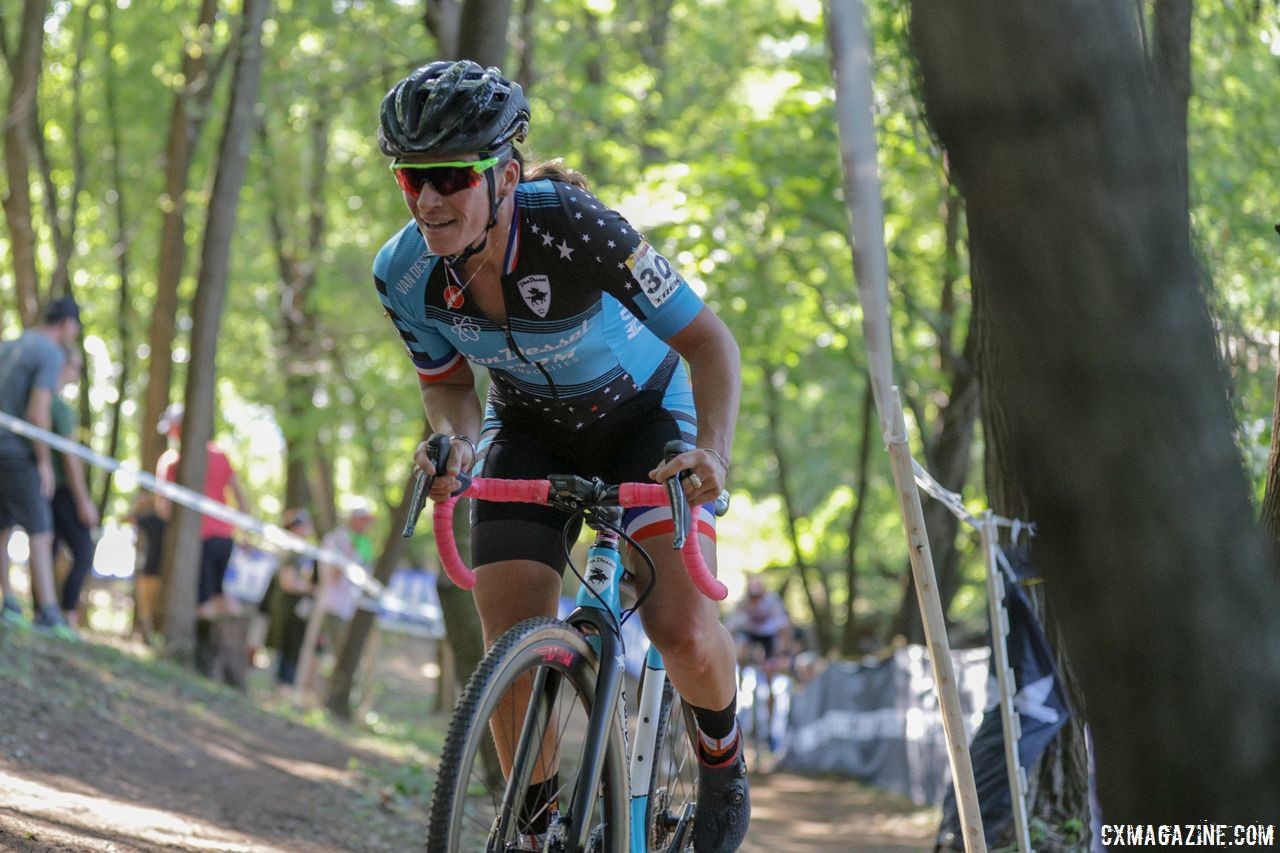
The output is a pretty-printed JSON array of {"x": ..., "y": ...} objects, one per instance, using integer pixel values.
[{"x": 709, "y": 124}]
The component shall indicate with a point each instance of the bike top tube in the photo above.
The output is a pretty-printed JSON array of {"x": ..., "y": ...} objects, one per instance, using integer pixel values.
[{"x": 539, "y": 492}]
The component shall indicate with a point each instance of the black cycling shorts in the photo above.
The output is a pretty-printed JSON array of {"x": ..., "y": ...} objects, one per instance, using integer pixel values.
[{"x": 616, "y": 451}]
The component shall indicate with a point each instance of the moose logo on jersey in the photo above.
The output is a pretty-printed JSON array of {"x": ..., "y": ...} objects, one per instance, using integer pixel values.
[{"x": 536, "y": 292}]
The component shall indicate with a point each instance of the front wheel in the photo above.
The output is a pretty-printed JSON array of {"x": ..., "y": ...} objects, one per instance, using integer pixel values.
[
  {"x": 673, "y": 783},
  {"x": 474, "y": 807}
]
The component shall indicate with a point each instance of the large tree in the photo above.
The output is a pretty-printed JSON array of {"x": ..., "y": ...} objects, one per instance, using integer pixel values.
[
  {"x": 19, "y": 149},
  {"x": 183, "y": 542},
  {"x": 191, "y": 100},
  {"x": 1116, "y": 412}
]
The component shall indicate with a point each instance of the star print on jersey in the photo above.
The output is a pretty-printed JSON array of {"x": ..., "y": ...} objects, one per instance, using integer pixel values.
[
  {"x": 536, "y": 292},
  {"x": 466, "y": 329},
  {"x": 567, "y": 338}
]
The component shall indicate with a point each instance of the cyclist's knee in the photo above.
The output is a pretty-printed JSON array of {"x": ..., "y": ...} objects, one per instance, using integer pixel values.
[{"x": 687, "y": 641}]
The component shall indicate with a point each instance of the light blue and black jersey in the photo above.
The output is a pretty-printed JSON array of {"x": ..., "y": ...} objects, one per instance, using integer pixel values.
[{"x": 589, "y": 307}]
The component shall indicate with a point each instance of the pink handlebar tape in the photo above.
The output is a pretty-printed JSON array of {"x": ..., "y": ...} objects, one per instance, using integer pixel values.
[{"x": 536, "y": 491}]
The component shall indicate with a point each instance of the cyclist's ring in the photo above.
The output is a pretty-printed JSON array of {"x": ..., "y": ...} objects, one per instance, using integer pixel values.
[{"x": 695, "y": 480}]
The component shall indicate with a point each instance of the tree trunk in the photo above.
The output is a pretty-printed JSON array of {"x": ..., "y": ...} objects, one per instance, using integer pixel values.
[
  {"x": 190, "y": 99},
  {"x": 442, "y": 19},
  {"x": 819, "y": 601},
  {"x": 197, "y": 426},
  {"x": 18, "y": 148},
  {"x": 124, "y": 309},
  {"x": 482, "y": 36},
  {"x": 849, "y": 636},
  {"x": 1271, "y": 501},
  {"x": 62, "y": 225},
  {"x": 1171, "y": 55},
  {"x": 297, "y": 270},
  {"x": 525, "y": 69},
  {"x": 458, "y": 606},
  {"x": 353, "y": 644},
  {"x": 1116, "y": 409}
]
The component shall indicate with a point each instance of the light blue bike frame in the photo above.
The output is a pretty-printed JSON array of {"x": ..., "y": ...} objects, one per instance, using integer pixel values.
[{"x": 603, "y": 580}]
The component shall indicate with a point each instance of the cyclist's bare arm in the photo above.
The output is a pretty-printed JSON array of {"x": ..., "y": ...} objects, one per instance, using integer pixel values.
[
  {"x": 453, "y": 408},
  {"x": 715, "y": 374}
]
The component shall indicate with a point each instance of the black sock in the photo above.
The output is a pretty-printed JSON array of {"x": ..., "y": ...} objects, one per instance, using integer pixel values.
[
  {"x": 539, "y": 800},
  {"x": 717, "y": 730}
]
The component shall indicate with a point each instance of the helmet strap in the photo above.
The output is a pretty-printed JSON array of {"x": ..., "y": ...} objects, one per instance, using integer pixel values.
[{"x": 457, "y": 261}]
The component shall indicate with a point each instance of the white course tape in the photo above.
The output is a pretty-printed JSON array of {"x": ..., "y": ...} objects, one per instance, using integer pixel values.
[
  {"x": 955, "y": 503},
  {"x": 129, "y": 475}
]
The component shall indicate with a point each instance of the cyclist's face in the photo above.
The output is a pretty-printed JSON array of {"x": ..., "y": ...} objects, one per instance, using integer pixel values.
[{"x": 451, "y": 222}]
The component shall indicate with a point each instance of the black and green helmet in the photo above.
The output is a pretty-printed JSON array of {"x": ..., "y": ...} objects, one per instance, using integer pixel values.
[{"x": 451, "y": 109}]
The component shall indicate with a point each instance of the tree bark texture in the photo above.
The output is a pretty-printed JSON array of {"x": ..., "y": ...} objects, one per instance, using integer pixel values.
[
  {"x": 442, "y": 19},
  {"x": 1271, "y": 501},
  {"x": 183, "y": 546},
  {"x": 1116, "y": 409},
  {"x": 18, "y": 150},
  {"x": 1058, "y": 787},
  {"x": 191, "y": 97},
  {"x": 125, "y": 317},
  {"x": 297, "y": 261},
  {"x": 482, "y": 36}
]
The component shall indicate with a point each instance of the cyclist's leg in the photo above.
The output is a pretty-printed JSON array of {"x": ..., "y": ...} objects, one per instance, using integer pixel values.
[
  {"x": 519, "y": 555},
  {"x": 506, "y": 593},
  {"x": 699, "y": 654}
]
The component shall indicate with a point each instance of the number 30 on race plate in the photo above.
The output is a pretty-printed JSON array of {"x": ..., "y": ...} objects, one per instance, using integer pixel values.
[{"x": 654, "y": 273}]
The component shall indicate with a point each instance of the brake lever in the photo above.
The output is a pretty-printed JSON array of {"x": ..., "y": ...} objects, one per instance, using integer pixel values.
[
  {"x": 438, "y": 453},
  {"x": 681, "y": 517}
]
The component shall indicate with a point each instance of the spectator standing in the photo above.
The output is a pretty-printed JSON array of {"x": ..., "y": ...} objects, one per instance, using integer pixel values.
[
  {"x": 216, "y": 540},
  {"x": 30, "y": 367},
  {"x": 338, "y": 596},
  {"x": 291, "y": 601},
  {"x": 150, "y": 537},
  {"x": 215, "y": 642},
  {"x": 74, "y": 515}
]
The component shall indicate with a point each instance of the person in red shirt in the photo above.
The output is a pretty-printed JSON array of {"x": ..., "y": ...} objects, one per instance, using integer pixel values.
[{"x": 215, "y": 535}]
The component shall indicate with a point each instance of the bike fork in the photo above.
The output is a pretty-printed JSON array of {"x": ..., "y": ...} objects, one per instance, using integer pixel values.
[{"x": 604, "y": 570}]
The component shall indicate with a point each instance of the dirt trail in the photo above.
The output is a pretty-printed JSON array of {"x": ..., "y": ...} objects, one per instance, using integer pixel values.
[
  {"x": 99, "y": 752},
  {"x": 798, "y": 814}
]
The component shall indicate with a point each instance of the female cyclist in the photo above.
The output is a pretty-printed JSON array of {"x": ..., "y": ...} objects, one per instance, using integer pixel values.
[{"x": 582, "y": 326}]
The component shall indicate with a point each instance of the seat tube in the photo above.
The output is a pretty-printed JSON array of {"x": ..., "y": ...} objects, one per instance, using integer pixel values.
[{"x": 645, "y": 750}]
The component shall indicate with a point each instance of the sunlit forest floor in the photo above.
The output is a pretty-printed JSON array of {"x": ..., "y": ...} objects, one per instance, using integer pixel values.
[{"x": 106, "y": 748}]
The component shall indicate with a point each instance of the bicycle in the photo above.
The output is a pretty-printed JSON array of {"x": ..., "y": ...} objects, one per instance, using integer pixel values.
[
  {"x": 618, "y": 800},
  {"x": 763, "y": 685}
]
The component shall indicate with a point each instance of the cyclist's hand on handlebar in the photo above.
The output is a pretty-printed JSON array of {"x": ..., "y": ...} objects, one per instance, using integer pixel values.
[
  {"x": 706, "y": 475},
  {"x": 446, "y": 482}
]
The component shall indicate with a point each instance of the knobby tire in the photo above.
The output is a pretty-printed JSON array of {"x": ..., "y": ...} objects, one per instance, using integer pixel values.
[{"x": 457, "y": 813}]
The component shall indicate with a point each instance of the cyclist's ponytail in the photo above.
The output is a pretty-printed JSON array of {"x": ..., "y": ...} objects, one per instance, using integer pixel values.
[{"x": 551, "y": 170}]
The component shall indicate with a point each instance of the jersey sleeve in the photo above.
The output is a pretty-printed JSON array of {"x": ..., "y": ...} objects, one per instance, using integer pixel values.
[
  {"x": 49, "y": 363},
  {"x": 631, "y": 270},
  {"x": 433, "y": 357}
]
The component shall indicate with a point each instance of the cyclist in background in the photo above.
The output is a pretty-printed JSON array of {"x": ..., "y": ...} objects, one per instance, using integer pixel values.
[
  {"x": 518, "y": 268},
  {"x": 761, "y": 624},
  {"x": 765, "y": 635}
]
